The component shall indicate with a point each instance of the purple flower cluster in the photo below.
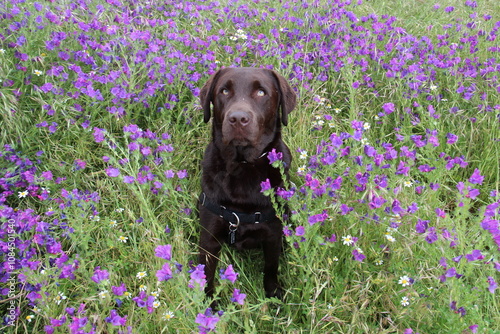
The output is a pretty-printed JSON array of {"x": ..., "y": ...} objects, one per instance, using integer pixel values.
[
  {"x": 396, "y": 172},
  {"x": 151, "y": 150}
]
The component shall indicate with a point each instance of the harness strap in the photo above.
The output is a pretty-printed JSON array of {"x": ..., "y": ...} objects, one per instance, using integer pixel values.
[{"x": 235, "y": 218}]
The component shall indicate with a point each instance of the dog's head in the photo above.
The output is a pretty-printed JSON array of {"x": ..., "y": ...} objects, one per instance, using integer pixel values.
[{"x": 249, "y": 106}]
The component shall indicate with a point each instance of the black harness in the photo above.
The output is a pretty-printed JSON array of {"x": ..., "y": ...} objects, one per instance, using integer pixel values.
[{"x": 235, "y": 218}]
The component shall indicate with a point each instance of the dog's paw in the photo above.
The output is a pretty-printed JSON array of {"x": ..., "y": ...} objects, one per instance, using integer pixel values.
[{"x": 277, "y": 292}]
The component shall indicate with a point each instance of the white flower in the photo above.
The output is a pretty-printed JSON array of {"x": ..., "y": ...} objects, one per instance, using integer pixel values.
[
  {"x": 103, "y": 294},
  {"x": 122, "y": 239},
  {"x": 404, "y": 281},
  {"x": 141, "y": 274},
  {"x": 303, "y": 155},
  {"x": 347, "y": 240},
  {"x": 168, "y": 315},
  {"x": 22, "y": 194},
  {"x": 405, "y": 301},
  {"x": 390, "y": 238},
  {"x": 60, "y": 297}
]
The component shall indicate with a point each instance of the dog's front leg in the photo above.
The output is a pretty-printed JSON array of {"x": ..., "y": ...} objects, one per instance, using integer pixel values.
[
  {"x": 209, "y": 249},
  {"x": 272, "y": 251}
]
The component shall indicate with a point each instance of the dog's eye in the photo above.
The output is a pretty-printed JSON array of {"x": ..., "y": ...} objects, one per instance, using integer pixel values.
[
  {"x": 260, "y": 92},
  {"x": 224, "y": 91}
]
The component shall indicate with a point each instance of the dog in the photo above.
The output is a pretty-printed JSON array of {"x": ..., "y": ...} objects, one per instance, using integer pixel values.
[{"x": 249, "y": 106}]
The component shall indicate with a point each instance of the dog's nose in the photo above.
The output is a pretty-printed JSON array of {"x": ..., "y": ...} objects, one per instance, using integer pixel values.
[{"x": 239, "y": 118}]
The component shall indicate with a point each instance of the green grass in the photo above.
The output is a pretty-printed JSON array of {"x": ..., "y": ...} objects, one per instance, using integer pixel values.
[{"x": 326, "y": 290}]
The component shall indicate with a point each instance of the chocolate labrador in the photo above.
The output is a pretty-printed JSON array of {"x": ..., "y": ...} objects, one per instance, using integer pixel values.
[{"x": 250, "y": 105}]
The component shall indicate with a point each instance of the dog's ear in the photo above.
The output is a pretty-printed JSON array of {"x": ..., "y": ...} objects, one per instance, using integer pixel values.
[
  {"x": 207, "y": 95},
  {"x": 288, "y": 99}
]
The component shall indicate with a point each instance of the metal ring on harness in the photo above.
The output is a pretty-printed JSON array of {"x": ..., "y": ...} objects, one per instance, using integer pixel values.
[{"x": 234, "y": 226}]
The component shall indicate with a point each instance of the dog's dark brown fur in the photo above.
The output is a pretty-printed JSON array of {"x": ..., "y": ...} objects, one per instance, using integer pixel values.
[{"x": 249, "y": 107}]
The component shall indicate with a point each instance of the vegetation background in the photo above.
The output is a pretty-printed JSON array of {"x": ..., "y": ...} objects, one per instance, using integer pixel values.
[{"x": 395, "y": 181}]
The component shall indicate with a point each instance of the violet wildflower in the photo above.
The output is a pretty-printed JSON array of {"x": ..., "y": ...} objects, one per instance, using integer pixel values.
[
  {"x": 321, "y": 217},
  {"x": 164, "y": 252},
  {"x": 299, "y": 231},
  {"x": 474, "y": 255},
  {"x": 198, "y": 276},
  {"x": 274, "y": 156},
  {"x": 476, "y": 178},
  {"x": 238, "y": 297},
  {"x": 492, "y": 285},
  {"x": 99, "y": 135},
  {"x": 165, "y": 273},
  {"x": 388, "y": 108},
  {"x": 100, "y": 275},
  {"x": 358, "y": 255},
  {"x": 112, "y": 171},
  {"x": 207, "y": 321},
  {"x": 115, "y": 319},
  {"x": 265, "y": 186},
  {"x": 229, "y": 274},
  {"x": 119, "y": 290}
]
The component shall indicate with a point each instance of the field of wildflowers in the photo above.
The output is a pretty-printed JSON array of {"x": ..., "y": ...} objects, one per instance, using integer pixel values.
[{"x": 395, "y": 187}]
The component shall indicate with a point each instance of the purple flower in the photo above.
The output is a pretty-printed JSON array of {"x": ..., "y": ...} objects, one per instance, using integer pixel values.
[
  {"x": 47, "y": 175},
  {"x": 476, "y": 178},
  {"x": 112, "y": 171},
  {"x": 358, "y": 255},
  {"x": 165, "y": 273},
  {"x": 452, "y": 272},
  {"x": 321, "y": 217},
  {"x": 119, "y": 290},
  {"x": 238, "y": 297},
  {"x": 100, "y": 275},
  {"x": 115, "y": 319},
  {"x": 274, "y": 156},
  {"x": 207, "y": 321},
  {"x": 164, "y": 252},
  {"x": 475, "y": 255},
  {"x": 265, "y": 185},
  {"x": 492, "y": 285},
  {"x": 388, "y": 108},
  {"x": 431, "y": 237},
  {"x": 451, "y": 138},
  {"x": 440, "y": 213},
  {"x": 128, "y": 179},
  {"x": 99, "y": 135},
  {"x": 133, "y": 146},
  {"x": 299, "y": 231},
  {"x": 182, "y": 174},
  {"x": 229, "y": 274},
  {"x": 198, "y": 277},
  {"x": 146, "y": 150}
]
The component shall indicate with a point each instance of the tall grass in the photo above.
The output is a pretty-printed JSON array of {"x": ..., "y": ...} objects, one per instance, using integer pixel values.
[{"x": 394, "y": 186}]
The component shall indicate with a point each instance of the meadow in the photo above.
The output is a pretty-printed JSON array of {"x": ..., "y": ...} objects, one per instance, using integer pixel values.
[{"x": 394, "y": 188}]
